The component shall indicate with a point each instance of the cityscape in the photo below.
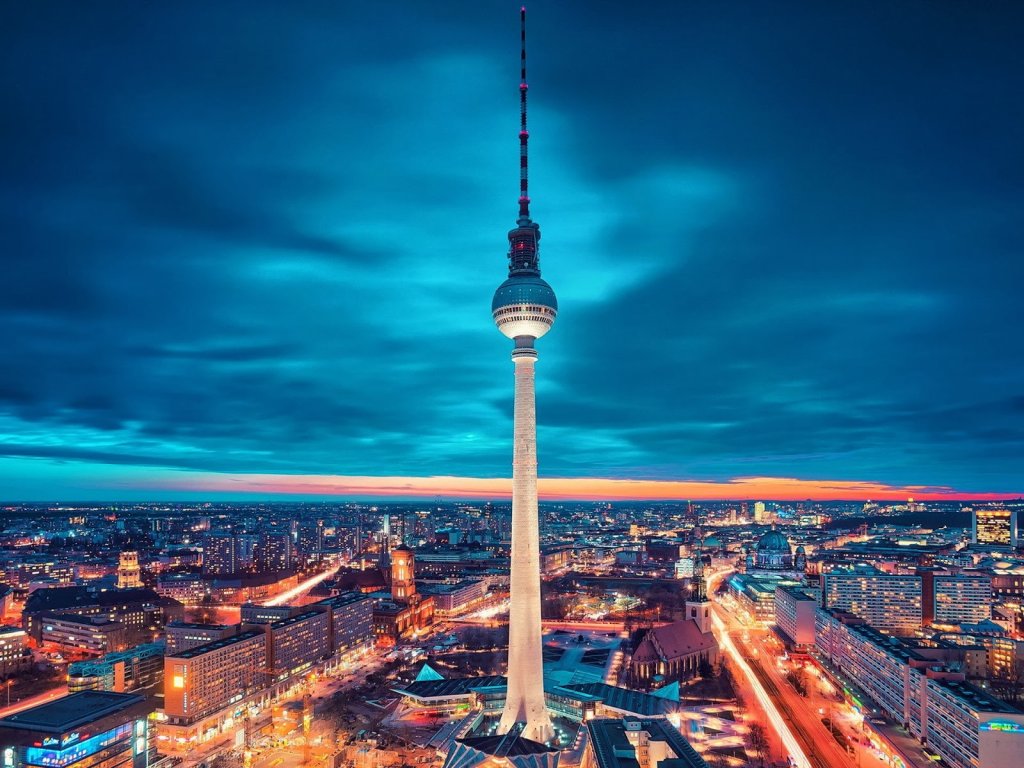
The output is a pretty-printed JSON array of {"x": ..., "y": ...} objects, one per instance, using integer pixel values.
[{"x": 271, "y": 496}]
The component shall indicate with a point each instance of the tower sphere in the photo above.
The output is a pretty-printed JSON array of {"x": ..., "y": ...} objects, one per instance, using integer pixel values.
[{"x": 524, "y": 305}]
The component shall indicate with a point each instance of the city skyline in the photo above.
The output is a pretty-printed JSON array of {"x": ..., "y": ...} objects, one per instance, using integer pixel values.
[{"x": 220, "y": 285}]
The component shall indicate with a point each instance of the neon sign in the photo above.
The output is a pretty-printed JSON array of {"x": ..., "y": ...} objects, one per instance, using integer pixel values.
[{"x": 1006, "y": 726}]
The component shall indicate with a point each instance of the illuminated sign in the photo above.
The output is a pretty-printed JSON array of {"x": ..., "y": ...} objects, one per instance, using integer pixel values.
[
  {"x": 1006, "y": 726},
  {"x": 53, "y": 758}
]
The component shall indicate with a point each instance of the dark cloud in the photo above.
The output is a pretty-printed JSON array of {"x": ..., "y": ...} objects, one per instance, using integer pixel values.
[{"x": 249, "y": 237}]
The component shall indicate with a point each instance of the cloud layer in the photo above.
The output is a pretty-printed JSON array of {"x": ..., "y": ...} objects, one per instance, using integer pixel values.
[{"x": 250, "y": 238}]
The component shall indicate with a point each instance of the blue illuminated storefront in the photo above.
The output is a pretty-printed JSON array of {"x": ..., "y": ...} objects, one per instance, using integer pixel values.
[{"x": 81, "y": 730}]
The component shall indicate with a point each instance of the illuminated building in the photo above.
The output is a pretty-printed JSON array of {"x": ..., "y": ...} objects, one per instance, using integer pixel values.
[
  {"x": 220, "y": 554},
  {"x": 137, "y": 668},
  {"x": 14, "y": 654},
  {"x": 403, "y": 575},
  {"x": 206, "y": 679},
  {"x": 142, "y": 611},
  {"x": 759, "y": 512},
  {"x": 78, "y": 635},
  {"x": 773, "y": 552},
  {"x": 90, "y": 728},
  {"x": 407, "y": 611},
  {"x": 634, "y": 742},
  {"x": 672, "y": 652},
  {"x": 920, "y": 684},
  {"x": 885, "y": 600},
  {"x": 184, "y": 635},
  {"x": 253, "y": 613},
  {"x": 351, "y": 621},
  {"x": 524, "y": 308},
  {"x": 274, "y": 552},
  {"x": 996, "y": 528},
  {"x": 129, "y": 575},
  {"x": 794, "y": 616},
  {"x": 297, "y": 643},
  {"x": 962, "y": 599}
]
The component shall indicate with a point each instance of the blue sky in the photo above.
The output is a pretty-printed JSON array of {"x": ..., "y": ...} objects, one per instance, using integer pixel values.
[{"x": 262, "y": 238}]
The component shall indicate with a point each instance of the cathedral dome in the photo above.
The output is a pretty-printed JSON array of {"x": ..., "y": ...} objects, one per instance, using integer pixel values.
[{"x": 773, "y": 541}]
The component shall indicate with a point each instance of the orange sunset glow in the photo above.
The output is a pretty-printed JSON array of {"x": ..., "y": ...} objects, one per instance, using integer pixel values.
[{"x": 552, "y": 489}]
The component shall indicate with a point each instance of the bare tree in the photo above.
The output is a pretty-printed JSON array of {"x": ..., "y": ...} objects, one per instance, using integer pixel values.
[{"x": 757, "y": 742}]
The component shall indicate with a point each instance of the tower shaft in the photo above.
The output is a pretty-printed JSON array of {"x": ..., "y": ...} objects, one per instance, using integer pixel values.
[{"x": 524, "y": 702}]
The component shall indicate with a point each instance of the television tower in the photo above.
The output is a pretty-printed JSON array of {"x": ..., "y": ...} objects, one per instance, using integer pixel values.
[{"x": 524, "y": 308}]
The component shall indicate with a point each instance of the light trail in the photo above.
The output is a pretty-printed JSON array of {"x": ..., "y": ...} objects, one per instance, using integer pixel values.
[
  {"x": 308, "y": 584},
  {"x": 774, "y": 717}
]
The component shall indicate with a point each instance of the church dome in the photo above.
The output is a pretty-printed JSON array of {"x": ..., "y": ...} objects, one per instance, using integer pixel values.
[{"x": 773, "y": 541}]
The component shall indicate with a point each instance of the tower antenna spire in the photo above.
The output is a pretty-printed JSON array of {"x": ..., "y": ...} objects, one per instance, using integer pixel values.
[{"x": 524, "y": 134}]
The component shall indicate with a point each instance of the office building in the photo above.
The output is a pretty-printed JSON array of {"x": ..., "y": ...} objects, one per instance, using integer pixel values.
[
  {"x": 994, "y": 528},
  {"x": 137, "y": 668},
  {"x": 794, "y": 616},
  {"x": 884, "y": 600},
  {"x": 760, "y": 515},
  {"x": 457, "y": 598},
  {"x": 184, "y": 635},
  {"x": 75, "y": 635},
  {"x": 142, "y": 611},
  {"x": 89, "y": 728},
  {"x": 254, "y": 613}
]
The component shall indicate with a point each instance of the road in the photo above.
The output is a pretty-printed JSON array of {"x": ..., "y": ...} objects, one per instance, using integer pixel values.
[
  {"x": 32, "y": 701},
  {"x": 762, "y": 659},
  {"x": 288, "y": 595}
]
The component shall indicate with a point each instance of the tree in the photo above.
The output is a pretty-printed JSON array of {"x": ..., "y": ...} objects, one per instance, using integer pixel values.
[{"x": 757, "y": 742}]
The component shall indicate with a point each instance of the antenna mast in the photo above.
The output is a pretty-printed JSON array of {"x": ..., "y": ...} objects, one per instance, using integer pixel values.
[{"x": 524, "y": 135}]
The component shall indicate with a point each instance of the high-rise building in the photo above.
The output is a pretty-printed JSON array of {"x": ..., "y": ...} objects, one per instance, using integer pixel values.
[
  {"x": 220, "y": 554},
  {"x": 129, "y": 575},
  {"x": 206, "y": 678},
  {"x": 524, "y": 308},
  {"x": 962, "y": 599},
  {"x": 759, "y": 512},
  {"x": 995, "y": 528},
  {"x": 883, "y": 600},
  {"x": 794, "y": 615},
  {"x": 274, "y": 552}
]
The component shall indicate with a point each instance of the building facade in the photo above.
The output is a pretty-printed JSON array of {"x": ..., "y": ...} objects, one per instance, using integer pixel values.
[
  {"x": 884, "y": 600},
  {"x": 184, "y": 635},
  {"x": 205, "y": 679},
  {"x": 138, "y": 668},
  {"x": 794, "y": 616},
  {"x": 994, "y": 528},
  {"x": 920, "y": 684}
]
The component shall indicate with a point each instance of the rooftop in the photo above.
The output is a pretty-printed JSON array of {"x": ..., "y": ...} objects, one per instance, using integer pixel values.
[
  {"x": 612, "y": 747},
  {"x": 71, "y": 711},
  {"x": 216, "y": 645}
]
